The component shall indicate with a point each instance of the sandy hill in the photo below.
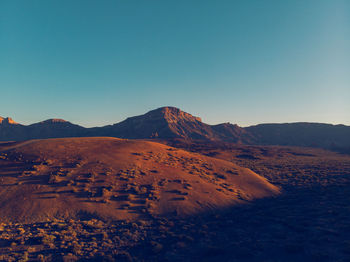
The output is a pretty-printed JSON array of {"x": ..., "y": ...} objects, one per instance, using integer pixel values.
[{"x": 116, "y": 178}]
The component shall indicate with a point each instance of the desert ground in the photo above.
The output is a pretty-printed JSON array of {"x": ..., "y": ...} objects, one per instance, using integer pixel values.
[{"x": 108, "y": 199}]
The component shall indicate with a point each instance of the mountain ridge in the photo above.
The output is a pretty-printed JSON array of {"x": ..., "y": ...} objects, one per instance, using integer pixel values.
[{"x": 171, "y": 122}]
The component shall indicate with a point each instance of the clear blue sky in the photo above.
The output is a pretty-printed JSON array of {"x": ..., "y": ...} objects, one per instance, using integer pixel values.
[{"x": 246, "y": 62}]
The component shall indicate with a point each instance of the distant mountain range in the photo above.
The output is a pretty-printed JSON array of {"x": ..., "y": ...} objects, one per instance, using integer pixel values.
[{"x": 171, "y": 122}]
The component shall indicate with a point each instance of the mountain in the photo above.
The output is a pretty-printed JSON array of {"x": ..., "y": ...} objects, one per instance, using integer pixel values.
[
  {"x": 7, "y": 121},
  {"x": 10, "y": 130},
  {"x": 302, "y": 134},
  {"x": 52, "y": 128},
  {"x": 172, "y": 123},
  {"x": 233, "y": 133},
  {"x": 165, "y": 122}
]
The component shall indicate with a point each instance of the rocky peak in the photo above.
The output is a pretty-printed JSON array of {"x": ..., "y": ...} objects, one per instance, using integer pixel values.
[
  {"x": 7, "y": 120},
  {"x": 173, "y": 115}
]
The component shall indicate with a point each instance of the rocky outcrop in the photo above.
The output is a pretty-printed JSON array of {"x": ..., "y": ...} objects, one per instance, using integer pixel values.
[{"x": 7, "y": 120}]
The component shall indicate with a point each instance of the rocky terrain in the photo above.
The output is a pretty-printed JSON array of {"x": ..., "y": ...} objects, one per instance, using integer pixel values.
[{"x": 308, "y": 221}]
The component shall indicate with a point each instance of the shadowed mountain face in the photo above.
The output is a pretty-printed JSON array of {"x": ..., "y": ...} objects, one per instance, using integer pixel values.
[
  {"x": 52, "y": 128},
  {"x": 171, "y": 123},
  {"x": 327, "y": 136},
  {"x": 10, "y": 130},
  {"x": 228, "y": 132}
]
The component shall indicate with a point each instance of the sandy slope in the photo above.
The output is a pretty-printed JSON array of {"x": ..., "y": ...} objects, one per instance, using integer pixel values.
[{"x": 118, "y": 179}]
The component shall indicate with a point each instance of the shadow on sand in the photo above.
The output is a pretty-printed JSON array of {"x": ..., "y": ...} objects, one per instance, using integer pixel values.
[{"x": 303, "y": 225}]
